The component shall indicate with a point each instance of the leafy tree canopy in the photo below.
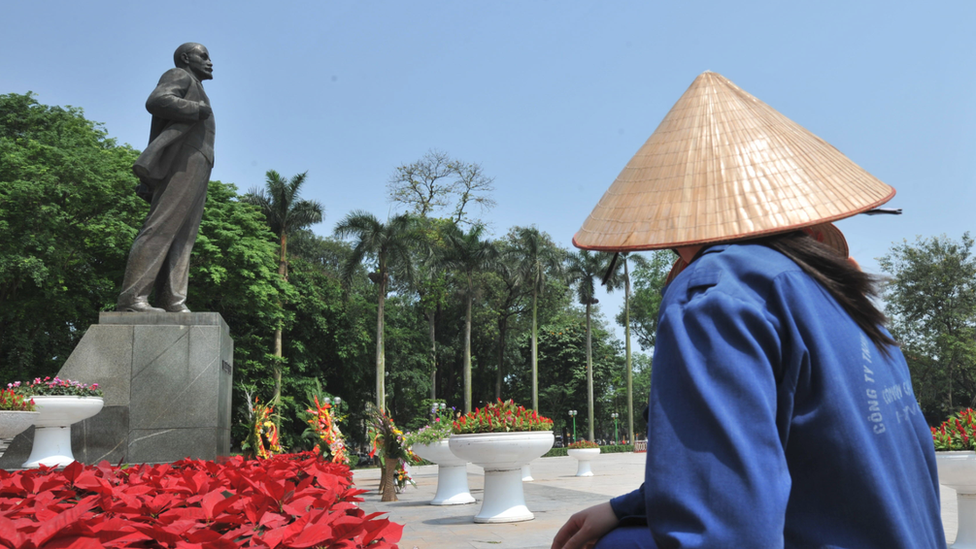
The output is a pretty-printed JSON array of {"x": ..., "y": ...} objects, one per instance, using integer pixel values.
[
  {"x": 68, "y": 214},
  {"x": 648, "y": 279},
  {"x": 931, "y": 301}
]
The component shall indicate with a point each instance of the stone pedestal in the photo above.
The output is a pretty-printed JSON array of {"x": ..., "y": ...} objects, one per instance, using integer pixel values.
[{"x": 167, "y": 380}]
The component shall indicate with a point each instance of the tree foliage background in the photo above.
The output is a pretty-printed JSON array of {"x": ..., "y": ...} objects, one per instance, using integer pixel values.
[{"x": 68, "y": 215}]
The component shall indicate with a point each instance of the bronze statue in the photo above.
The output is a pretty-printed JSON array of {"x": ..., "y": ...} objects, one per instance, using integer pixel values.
[{"x": 173, "y": 171}]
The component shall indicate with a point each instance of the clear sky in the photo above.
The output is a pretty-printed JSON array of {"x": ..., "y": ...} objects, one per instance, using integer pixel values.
[{"x": 551, "y": 98}]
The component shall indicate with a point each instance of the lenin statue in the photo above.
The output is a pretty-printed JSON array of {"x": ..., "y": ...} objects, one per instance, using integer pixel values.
[{"x": 173, "y": 171}]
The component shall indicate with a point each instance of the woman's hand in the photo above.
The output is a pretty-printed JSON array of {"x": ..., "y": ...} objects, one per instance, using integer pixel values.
[{"x": 585, "y": 528}]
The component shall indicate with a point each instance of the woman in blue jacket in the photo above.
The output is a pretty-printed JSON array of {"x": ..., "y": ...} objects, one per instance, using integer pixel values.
[{"x": 781, "y": 412}]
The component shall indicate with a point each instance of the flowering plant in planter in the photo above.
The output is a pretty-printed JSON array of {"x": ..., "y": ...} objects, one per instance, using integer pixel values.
[
  {"x": 501, "y": 417},
  {"x": 439, "y": 428},
  {"x": 55, "y": 387},
  {"x": 11, "y": 401},
  {"x": 581, "y": 444},
  {"x": 956, "y": 433}
]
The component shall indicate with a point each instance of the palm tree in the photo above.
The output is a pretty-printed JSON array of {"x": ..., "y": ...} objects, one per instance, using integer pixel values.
[
  {"x": 389, "y": 244},
  {"x": 614, "y": 282},
  {"x": 539, "y": 259},
  {"x": 468, "y": 253},
  {"x": 584, "y": 268},
  {"x": 286, "y": 213}
]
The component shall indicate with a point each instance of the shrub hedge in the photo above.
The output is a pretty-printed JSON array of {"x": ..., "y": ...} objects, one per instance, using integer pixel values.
[{"x": 611, "y": 449}]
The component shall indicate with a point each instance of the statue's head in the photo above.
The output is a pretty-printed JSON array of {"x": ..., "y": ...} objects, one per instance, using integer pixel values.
[{"x": 194, "y": 58}]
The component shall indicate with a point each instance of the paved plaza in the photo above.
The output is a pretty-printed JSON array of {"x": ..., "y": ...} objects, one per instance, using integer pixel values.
[{"x": 553, "y": 496}]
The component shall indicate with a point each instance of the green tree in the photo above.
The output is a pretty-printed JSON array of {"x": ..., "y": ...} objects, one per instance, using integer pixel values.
[
  {"x": 286, "y": 213},
  {"x": 68, "y": 214},
  {"x": 431, "y": 283},
  {"x": 331, "y": 336},
  {"x": 620, "y": 279},
  {"x": 642, "y": 387},
  {"x": 389, "y": 244},
  {"x": 648, "y": 281},
  {"x": 931, "y": 300},
  {"x": 539, "y": 260},
  {"x": 469, "y": 254},
  {"x": 233, "y": 271},
  {"x": 584, "y": 269},
  {"x": 563, "y": 369},
  {"x": 509, "y": 301}
]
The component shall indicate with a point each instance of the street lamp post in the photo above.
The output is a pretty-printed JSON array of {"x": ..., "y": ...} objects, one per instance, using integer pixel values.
[
  {"x": 572, "y": 414},
  {"x": 337, "y": 401},
  {"x": 616, "y": 439}
]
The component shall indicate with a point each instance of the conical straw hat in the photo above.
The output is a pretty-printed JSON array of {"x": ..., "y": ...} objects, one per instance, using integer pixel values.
[{"x": 724, "y": 166}]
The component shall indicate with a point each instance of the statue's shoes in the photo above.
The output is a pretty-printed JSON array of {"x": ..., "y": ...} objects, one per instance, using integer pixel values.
[
  {"x": 140, "y": 308},
  {"x": 178, "y": 309}
]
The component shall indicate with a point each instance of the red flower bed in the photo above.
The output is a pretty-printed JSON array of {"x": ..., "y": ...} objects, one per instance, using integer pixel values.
[{"x": 288, "y": 501}]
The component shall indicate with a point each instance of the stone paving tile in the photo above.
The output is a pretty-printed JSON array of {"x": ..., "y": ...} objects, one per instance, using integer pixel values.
[{"x": 554, "y": 495}]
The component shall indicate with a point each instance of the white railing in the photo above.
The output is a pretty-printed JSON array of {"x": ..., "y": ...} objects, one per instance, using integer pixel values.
[{"x": 640, "y": 446}]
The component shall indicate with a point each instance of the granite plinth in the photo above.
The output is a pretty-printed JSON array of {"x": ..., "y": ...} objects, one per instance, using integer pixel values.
[{"x": 167, "y": 379}]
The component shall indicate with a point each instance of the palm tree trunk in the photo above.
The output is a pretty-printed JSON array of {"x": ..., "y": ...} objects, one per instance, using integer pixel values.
[
  {"x": 283, "y": 271},
  {"x": 535, "y": 355},
  {"x": 630, "y": 382},
  {"x": 589, "y": 372},
  {"x": 500, "y": 374},
  {"x": 431, "y": 320},
  {"x": 950, "y": 385},
  {"x": 277, "y": 366},
  {"x": 467, "y": 354},
  {"x": 380, "y": 354},
  {"x": 283, "y": 256}
]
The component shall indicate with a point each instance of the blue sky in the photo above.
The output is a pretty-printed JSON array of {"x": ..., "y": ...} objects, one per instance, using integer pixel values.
[{"x": 551, "y": 98}]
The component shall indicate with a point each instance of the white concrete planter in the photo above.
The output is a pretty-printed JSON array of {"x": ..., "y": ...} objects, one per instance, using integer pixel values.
[
  {"x": 957, "y": 470},
  {"x": 502, "y": 456},
  {"x": 527, "y": 472},
  {"x": 12, "y": 423},
  {"x": 452, "y": 474},
  {"x": 52, "y": 437},
  {"x": 583, "y": 458}
]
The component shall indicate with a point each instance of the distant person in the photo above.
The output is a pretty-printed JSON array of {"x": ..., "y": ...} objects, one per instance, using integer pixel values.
[
  {"x": 781, "y": 410},
  {"x": 174, "y": 172}
]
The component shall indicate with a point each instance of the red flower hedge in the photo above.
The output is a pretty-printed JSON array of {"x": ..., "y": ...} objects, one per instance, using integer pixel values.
[{"x": 289, "y": 501}]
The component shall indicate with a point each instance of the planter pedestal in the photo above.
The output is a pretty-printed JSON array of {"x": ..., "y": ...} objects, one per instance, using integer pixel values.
[
  {"x": 527, "y": 473},
  {"x": 12, "y": 424},
  {"x": 52, "y": 437},
  {"x": 452, "y": 473},
  {"x": 502, "y": 456},
  {"x": 583, "y": 458},
  {"x": 957, "y": 470}
]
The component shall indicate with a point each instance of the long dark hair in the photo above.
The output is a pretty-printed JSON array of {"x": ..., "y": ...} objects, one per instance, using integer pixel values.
[{"x": 851, "y": 287}]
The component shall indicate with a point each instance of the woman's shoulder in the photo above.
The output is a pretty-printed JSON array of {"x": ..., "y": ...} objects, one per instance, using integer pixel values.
[{"x": 743, "y": 271}]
